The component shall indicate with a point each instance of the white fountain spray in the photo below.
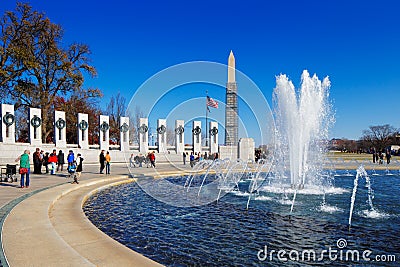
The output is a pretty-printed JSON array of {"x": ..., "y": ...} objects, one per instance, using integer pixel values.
[
  {"x": 361, "y": 173},
  {"x": 353, "y": 195},
  {"x": 302, "y": 124}
]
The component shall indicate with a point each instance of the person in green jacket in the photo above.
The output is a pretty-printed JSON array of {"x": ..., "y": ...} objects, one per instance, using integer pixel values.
[{"x": 25, "y": 163}]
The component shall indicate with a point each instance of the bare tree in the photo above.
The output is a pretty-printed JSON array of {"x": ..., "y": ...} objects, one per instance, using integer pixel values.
[
  {"x": 115, "y": 109},
  {"x": 135, "y": 124},
  {"x": 171, "y": 136},
  {"x": 379, "y": 136},
  {"x": 35, "y": 68}
]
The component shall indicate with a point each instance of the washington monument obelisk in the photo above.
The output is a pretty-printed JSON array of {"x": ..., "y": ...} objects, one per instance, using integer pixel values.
[{"x": 231, "y": 109}]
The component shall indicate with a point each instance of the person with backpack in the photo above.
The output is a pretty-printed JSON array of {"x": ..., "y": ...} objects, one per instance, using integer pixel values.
[
  {"x": 79, "y": 168},
  {"x": 70, "y": 158}
]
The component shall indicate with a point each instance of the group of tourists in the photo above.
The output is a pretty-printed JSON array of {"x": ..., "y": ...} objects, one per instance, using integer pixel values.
[
  {"x": 196, "y": 157},
  {"x": 52, "y": 162},
  {"x": 138, "y": 160},
  {"x": 105, "y": 162},
  {"x": 378, "y": 156}
]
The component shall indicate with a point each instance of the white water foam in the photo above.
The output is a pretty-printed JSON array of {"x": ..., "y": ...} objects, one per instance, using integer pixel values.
[
  {"x": 264, "y": 198},
  {"x": 308, "y": 190},
  {"x": 288, "y": 202},
  {"x": 329, "y": 209},
  {"x": 373, "y": 214},
  {"x": 240, "y": 194}
]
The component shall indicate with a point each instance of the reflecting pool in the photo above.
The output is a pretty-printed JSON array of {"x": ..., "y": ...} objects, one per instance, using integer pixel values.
[{"x": 228, "y": 234}]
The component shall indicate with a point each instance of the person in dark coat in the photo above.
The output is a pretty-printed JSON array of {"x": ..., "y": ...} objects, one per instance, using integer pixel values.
[
  {"x": 46, "y": 161},
  {"x": 102, "y": 160},
  {"x": 388, "y": 156},
  {"x": 184, "y": 158},
  {"x": 37, "y": 162},
  {"x": 61, "y": 161}
]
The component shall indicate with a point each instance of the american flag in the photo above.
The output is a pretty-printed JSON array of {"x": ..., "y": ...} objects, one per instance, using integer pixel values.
[{"x": 211, "y": 102}]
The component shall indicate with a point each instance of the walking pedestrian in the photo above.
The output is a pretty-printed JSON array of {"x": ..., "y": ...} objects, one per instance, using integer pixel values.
[
  {"x": 79, "y": 168},
  {"x": 25, "y": 168},
  {"x": 191, "y": 160},
  {"x": 46, "y": 162},
  {"x": 60, "y": 161},
  {"x": 388, "y": 156},
  {"x": 102, "y": 160},
  {"x": 70, "y": 158},
  {"x": 380, "y": 157},
  {"x": 52, "y": 162},
  {"x": 152, "y": 158},
  {"x": 132, "y": 161},
  {"x": 108, "y": 160},
  {"x": 184, "y": 158},
  {"x": 373, "y": 154}
]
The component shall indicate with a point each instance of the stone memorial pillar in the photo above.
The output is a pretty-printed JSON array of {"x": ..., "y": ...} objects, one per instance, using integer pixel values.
[
  {"x": 179, "y": 136},
  {"x": 143, "y": 135},
  {"x": 196, "y": 136},
  {"x": 213, "y": 137},
  {"x": 124, "y": 133},
  {"x": 83, "y": 131},
  {"x": 162, "y": 135},
  {"x": 35, "y": 126},
  {"x": 60, "y": 130},
  {"x": 104, "y": 136},
  {"x": 246, "y": 149},
  {"x": 7, "y": 133}
]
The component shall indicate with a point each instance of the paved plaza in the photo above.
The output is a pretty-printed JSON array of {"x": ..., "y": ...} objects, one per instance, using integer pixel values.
[{"x": 44, "y": 225}]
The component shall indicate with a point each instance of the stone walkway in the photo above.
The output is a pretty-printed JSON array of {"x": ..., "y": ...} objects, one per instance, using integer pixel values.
[{"x": 44, "y": 225}]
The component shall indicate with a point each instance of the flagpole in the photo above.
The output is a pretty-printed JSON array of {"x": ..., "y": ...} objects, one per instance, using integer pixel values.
[{"x": 206, "y": 119}]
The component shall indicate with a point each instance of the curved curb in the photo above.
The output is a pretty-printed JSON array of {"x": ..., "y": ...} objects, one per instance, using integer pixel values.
[
  {"x": 51, "y": 226},
  {"x": 5, "y": 211},
  {"x": 71, "y": 224}
]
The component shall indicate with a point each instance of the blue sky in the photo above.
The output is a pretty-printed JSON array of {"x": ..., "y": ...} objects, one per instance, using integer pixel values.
[{"x": 355, "y": 43}]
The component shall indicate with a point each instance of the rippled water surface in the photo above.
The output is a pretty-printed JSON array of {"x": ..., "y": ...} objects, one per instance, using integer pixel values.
[{"x": 226, "y": 234}]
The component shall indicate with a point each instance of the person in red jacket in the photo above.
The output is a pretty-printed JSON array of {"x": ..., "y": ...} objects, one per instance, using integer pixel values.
[
  {"x": 52, "y": 162},
  {"x": 152, "y": 158}
]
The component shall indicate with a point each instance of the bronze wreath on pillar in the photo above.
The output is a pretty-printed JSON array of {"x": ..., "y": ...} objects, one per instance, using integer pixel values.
[
  {"x": 143, "y": 129},
  {"x": 8, "y": 119},
  {"x": 36, "y": 121},
  {"x": 124, "y": 127},
  {"x": 196, "y": 130},
  {"x": 60, "y": 124},
  {"x": 104, "y": 127},
  {"x": 179, "y": 130},
  {"x": 161, "y": 129},
  {"x": 83, "y": 125},
  {"x": 213, "y": 131}
]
